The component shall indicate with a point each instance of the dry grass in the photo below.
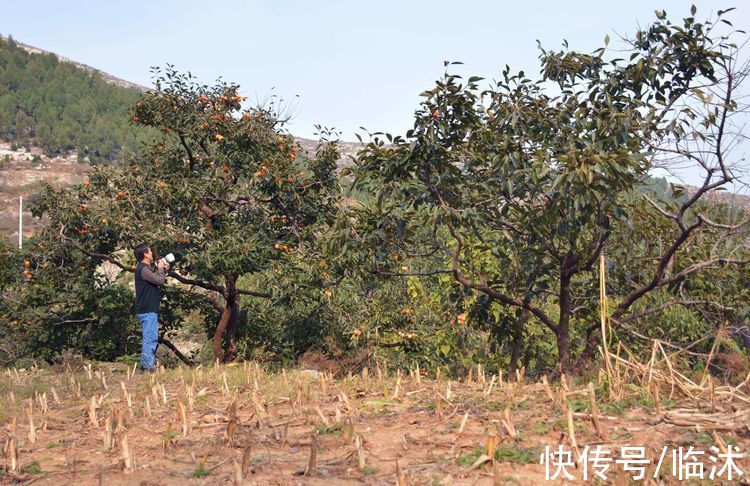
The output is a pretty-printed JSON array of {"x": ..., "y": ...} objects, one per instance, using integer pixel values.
[{"x": 242, "y": 424}]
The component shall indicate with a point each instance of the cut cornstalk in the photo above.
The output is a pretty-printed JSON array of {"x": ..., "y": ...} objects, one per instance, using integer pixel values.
[
  {"x": 13, "y": 455},
  {"x": 190, "y": 398},
  {"x": 463, "y": 423},
  {"x": 491, "y": 441},
  {"x": 311, "y": 463},
  {"x": 226, "y": 385},
  {"x": 231, "y": 430},
  {"x": 167, "y": 442},
  {"x": 120, "y": 417},
  {"x": 360, "y": 452},
  {"x": 32, "y": 428},
  {"x": 92, "y": 413},
  {"x": 285, "y": 434},
  {"x": 43, "y": 402},
  {"x": 508, "y": 423},
  {"x": 322, "y": 416},
  {"x": 339, "y": 417},
  {"x": 720, "y": 444},
  {"x": 497, "y": 474},
  {"x": 595, "y": 412},
  {"x": 400, "y": 476},
  {"x": 492, "y": 383},
  {"x": 109, "y": 441},
  {"x": 657, "y": 400},
  {"x": 127, "y": 455},
  {"x": 182, "y": 414},
  {"x": 571, "y": 429},
  {"x": 247, "y": 460},
  {"x": 547, "y": 389}
]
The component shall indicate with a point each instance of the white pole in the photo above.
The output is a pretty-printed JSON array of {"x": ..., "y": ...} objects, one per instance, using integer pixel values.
[{"x": 20, "y": 222}]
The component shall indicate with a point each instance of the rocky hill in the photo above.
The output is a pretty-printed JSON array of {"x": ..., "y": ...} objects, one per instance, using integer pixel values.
[{"x": 105, "y": 76}]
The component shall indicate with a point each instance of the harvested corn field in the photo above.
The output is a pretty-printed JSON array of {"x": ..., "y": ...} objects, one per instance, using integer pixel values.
[{"x": 240, "y": 424}]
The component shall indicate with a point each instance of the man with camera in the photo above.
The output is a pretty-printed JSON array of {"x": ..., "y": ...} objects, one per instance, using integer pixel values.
[{"x": 147, "y": 300}]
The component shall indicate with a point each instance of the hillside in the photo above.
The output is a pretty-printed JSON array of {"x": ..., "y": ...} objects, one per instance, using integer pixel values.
[
  {"x": 93, "y": 71},
  {"x": 62, "y": 107}
]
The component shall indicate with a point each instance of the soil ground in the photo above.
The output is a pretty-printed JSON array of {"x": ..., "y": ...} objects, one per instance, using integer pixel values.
[{"x": 244, "y": 424}]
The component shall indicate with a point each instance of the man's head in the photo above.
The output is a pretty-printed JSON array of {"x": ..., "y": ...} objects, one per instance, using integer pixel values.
[{"x": 144, "y": 254}]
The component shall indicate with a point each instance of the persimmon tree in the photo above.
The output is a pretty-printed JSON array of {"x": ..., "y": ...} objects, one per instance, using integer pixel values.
[
  {"x": 522, "y": 184},
  {"x": 226, "y": 189}
]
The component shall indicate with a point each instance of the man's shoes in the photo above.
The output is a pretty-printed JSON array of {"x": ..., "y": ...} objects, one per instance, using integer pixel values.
[{"x": 143, "y": 371}]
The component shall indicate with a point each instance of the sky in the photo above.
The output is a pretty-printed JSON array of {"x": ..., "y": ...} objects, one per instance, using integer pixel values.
[{"x": 338, "y": 64}]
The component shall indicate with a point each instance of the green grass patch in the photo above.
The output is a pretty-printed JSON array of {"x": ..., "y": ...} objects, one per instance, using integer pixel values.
[
  {"x": 620, "y": 435},
  {"x": 468, "y": 458},
  {"x": 369, "y": 470},
  {"x": 579, "y": 405},
  {"x": 504, "y": 453},
  {"x": 33, "y": 468},
  {"x": 518, "y": 455},
  {"x": 695, "y": 439},
  {"x": 201, "y": 471},
  {"x": 330, "y": 429},
  {"x": 544, "y": 428},
  {"x": 54, "y": 444}
]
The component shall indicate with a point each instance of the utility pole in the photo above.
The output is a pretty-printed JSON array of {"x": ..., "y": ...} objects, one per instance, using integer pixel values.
[{"x": 20, "y": 222}]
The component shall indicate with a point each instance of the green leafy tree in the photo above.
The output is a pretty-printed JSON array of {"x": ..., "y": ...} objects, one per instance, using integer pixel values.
[
  {"x": 524, "y": 183},
  {"x": 225, "y": 189}
]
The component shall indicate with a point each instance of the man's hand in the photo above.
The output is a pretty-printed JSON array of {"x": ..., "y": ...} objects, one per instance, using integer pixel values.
[{"x": 163, "y": 266}]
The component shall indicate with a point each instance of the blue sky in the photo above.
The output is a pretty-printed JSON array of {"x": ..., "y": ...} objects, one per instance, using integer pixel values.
[{"x": 341, "y": 64}]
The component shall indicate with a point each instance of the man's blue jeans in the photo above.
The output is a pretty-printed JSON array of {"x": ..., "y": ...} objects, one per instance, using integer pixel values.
[{"x": 150, "y": 326}]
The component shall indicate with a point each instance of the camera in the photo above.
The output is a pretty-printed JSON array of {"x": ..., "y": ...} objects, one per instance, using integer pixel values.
[{"x": 168, "y": 258}]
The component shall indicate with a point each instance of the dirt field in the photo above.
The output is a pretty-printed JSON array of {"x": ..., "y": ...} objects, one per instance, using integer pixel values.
[{"x": 102, "y": 424}]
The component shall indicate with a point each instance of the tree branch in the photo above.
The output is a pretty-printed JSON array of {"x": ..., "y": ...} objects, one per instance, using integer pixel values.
[
  {"x": 197, "y": 283},
  {"x": 166, "y": 342},
  {"x": 494, "y": 294},
  {"x": 253, "y": 293}
]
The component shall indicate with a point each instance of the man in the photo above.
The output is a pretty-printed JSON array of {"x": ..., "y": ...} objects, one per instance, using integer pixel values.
[{"x": 147, "y": 299}]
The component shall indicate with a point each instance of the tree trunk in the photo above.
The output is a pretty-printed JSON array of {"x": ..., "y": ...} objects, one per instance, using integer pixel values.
[
  {"x": 563, "y": 329},
  {"x": 219, "y": 334},
  {"x": 228, "y": 319},
  {"x": 515, "y": 354},
  {"x": 592, "y": 343},
  {"x": 230, "y": 349}
]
